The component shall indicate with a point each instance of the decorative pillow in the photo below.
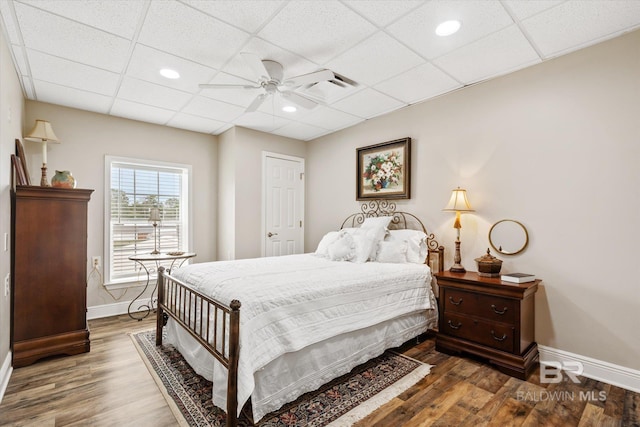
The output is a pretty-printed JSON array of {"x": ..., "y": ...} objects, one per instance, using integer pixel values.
[
  {"x": 393, "y": 251},
  {"x": 343, "y": 248},
  {"x": 365, "y": 241},
  {"x": 416, "y": 244},
  {"x": 323, "y": 246},
  {"x": 376, "y": 228}
]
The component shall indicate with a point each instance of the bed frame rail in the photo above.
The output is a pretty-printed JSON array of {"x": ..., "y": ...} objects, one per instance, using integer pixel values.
[{"x": 210, "y": 322}]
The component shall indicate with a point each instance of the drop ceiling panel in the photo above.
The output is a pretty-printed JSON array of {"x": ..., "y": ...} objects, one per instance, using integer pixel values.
[
  {"x": 195, "y": 123},
  {"x": 329, "y": 118},
  {"x": 260, "y": 121},
  {"x": 367, "y": 103},
  {"x": 391, "y": 58},
  {"x": 479, "y": 18},
  {"x": 525, "y": 9},
  {"x": 185, "y": 32},
  {"x": 382, "y": 12},
  {"x": 249, "y": 16},
  {"x": 503, "y": 51},
  {"x": 568, "y": 26},
  {"x": 151, "y": 94},
  {"x": 300, "y": 131},
  {"x": 69, "y": 97},
  {"x": 116, "y": 17},
  {"x": 212, "y": 109},
  {"x": 147, "y": 62},
  {"x": 72, "y": 74},
  {"x": 141, "y": 112},
  {"x": 422, "y": 82},
  {"x": 318, "y": 33},
  {"x": 61, "y": 37},
  {"x": 6, "y": 9}
]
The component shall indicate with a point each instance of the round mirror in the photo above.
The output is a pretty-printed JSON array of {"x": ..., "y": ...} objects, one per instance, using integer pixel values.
[{"x": 508, "y": 237}]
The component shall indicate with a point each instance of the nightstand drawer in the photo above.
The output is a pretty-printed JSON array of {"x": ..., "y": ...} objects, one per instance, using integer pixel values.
[
  {"x": 497, "y": 336},
  {"x": 485, "y": 306}
]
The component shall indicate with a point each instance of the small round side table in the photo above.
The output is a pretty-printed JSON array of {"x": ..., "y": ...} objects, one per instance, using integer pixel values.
[{"x": 173, "y": 259}]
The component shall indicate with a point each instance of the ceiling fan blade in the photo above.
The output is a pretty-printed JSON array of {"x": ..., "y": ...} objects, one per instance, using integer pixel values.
[
  {"x": 255, "y": 63},
  {"x": 315, "y": 77},
  {"x": 256, "y": 103},
  {"x": 226, "y": 86},
  {"x": 300, "y": 100}
]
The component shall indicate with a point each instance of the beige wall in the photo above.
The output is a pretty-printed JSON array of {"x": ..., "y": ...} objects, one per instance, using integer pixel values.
[
  {"x": 241, "y": 153},
  {"x": 87, "y": 137},
  {"x": 11, "y": 119},
  {"x": 555, "y": 146}
]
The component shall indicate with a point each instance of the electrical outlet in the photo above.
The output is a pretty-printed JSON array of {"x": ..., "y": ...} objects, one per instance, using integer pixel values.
[
  {"x": 96, "y": 262},
  {"x": 7, "y": 284}
]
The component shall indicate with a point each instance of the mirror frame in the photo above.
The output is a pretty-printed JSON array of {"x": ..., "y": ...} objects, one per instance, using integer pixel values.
[{"x": 526, "y": 237}]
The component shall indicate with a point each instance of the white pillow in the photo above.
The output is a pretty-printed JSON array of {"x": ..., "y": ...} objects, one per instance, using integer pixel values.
[
  {"x": 393, "y": 251},
  {"x": 365, "y": 241},
  {"x": 377, "y": 222},
  {"x": 376, "y": 228},
  {"x": 323, "y": 247},
  {"x": 343, "y": 248},
  {"x": 416, "y": 244}
]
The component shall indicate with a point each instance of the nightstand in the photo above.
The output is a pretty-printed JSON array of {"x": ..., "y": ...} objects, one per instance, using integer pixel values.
[{"x": 488, "y": 318}]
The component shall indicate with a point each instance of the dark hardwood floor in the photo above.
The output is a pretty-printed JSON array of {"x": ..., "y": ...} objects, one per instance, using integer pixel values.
[{"x": 110, "y": 386}]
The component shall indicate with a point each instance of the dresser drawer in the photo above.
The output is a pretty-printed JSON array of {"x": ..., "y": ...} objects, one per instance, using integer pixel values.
[
  {"x": 501, "y": 337},
  {"x": 485, "y": 306}
]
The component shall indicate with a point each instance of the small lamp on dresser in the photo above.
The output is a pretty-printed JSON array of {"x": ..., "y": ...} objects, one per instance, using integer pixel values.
[
  {"x": 458, "y": 203},
  {"x": 154, "y": 217},
  {"x": 43, "y": 132}
]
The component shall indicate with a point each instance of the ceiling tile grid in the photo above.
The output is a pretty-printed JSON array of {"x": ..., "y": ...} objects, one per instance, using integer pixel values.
[{"x": 105, "y": 56}]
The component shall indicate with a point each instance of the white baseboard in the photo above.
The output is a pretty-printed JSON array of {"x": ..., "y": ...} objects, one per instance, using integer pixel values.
[
  {"x": 5, "y": 374},
  {"x": 606, "y": 372},
  {"x": 115, "y": 309}
]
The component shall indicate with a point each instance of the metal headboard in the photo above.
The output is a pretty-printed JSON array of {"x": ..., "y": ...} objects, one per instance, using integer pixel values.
[{"x": 400, "y": 221}]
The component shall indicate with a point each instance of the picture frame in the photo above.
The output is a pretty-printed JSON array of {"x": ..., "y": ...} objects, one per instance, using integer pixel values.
[
  {"x": 17, "y": 167},
  {"x": 23, "y": 161},
  {"x": 383, "y": 171}
]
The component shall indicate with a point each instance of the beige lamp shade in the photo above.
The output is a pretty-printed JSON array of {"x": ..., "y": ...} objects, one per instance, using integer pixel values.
[
  {"x": 458, "y": 202},
  {"x": 42, "y": 131},
  {"x": 154, "y": 215}
]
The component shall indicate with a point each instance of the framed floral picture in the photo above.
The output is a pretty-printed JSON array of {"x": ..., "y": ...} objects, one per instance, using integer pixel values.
[{"x": 383, "y": 170}]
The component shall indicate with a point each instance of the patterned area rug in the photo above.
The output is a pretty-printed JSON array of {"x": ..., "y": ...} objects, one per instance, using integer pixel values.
[{"x": 341, "y": 402}]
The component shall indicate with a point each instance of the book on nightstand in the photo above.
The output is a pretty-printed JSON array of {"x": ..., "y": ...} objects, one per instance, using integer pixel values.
[{"x": 518, "y": 277}]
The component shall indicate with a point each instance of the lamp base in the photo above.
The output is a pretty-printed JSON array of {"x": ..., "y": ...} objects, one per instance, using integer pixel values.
[
  {"x": 457, "y": 267},
  {"x": 44, "y": 182},
  {"x": 155, "y": 252}
]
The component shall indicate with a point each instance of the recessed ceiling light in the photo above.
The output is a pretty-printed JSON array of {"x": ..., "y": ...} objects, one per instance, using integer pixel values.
[
  {"x": 169, "y": 73},
  {"x": 289, "y": 109},
  {"x": 447, "y": 28}
]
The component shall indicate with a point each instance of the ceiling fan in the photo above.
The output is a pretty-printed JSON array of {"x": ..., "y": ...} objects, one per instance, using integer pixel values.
[{"x": 270, "y": 79}]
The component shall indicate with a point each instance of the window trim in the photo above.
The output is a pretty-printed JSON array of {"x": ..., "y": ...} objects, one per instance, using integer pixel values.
[{"x": 106, "y": 223}]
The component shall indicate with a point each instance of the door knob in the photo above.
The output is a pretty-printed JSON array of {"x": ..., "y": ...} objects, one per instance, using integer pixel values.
[{"x": 270, "y": 234}]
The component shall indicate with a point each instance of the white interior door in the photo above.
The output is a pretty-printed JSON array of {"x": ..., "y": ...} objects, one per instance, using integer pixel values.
[{"x": 283, "y": 211}]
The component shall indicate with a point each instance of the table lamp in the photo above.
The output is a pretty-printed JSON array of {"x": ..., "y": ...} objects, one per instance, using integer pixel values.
[
  {"x": 43, "y": 132},
  {"x": 458, "y": 203},
  {"x": 154, "y": 217}
]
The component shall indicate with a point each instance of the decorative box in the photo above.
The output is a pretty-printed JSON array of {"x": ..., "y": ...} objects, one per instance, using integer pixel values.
[{"x": 488, "y": 265}]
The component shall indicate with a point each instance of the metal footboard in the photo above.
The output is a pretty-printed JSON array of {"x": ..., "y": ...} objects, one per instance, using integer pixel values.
[{"x": 210, "y": 322}]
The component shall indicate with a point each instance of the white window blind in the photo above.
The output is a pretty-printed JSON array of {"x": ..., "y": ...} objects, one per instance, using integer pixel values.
[{"x": 137, "y": 186}]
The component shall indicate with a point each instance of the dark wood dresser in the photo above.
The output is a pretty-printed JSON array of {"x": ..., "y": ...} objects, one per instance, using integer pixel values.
[
  {"x": 49, "y": 268},
  {"x": 489, "y": 318}
]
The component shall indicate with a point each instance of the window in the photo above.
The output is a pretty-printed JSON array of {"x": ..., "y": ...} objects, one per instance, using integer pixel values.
[{"x": 133, "y": 188}]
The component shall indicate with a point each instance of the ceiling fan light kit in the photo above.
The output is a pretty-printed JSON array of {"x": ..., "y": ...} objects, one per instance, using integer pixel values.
[{"x": 270, "y": 79}]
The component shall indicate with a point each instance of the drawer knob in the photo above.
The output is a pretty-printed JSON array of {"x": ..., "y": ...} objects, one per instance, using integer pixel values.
[
  {"x": 495, "y": 309},
  {"x": 493, "y": 334},
  {"x": 456, "y": 326},
  {"x": 454, "y": 302}
]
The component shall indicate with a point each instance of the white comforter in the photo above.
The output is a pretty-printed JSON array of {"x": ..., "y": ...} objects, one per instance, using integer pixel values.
[{"x": 291, "y": 302}]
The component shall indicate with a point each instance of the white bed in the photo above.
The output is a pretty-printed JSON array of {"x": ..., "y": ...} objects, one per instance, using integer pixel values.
[
  {"x": 304, "y": 319},
  {"x": 293, "y": 307}
]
